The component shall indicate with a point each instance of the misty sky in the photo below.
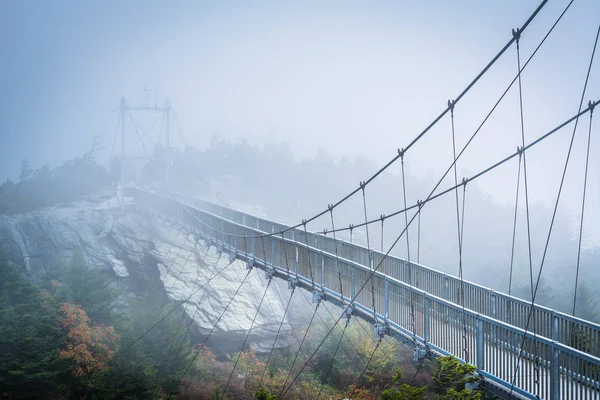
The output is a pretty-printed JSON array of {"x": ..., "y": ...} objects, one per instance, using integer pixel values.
[{"x": 352, "y": 78}]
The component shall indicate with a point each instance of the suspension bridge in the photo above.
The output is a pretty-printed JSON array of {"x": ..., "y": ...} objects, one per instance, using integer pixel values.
[
  {"x": 520, "y": 348},
  {"x": 416, "y": 304}
]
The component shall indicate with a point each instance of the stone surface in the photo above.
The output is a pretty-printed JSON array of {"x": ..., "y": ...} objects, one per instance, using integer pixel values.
[{"x": 130, "y": 246}]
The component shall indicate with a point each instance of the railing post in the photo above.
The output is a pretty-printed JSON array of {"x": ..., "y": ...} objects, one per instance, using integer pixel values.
[
  {"x": 555, "y": 333},
  {"x": 272, "y": 247},
  {"x": 234, "y": 239},
  {"x": 223, "y": 230},
  {"x": 352, "y": 284},
  {"x": 297, "y": 258},
  {"x": 426, "y": 318},
  {"x": 407, "y": 277},
  {"x": 386, "y": 301},
  {"x": 322, "y": 270},
  {"x": 493, "y": 314},
  {"x": 554, "y": 365},
  {"x": 253, "y": 250},
  {"x": 479, "y": 344},
  {"x": 446, "y": 288}
]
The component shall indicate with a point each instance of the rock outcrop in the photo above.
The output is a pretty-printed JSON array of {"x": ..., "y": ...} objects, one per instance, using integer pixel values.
[{"x": 133, "y": 248}]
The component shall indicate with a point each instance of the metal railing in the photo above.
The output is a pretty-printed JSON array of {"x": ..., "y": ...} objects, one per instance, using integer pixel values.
[
  {"x": 548, "y": 368},
  {"x": 572, "y": 331}
]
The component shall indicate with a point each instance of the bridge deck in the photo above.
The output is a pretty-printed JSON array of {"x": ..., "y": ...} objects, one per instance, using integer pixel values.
[{"x": 409, "y": 312}]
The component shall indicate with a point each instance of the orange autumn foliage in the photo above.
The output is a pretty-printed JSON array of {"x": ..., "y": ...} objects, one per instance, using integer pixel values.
[{"x": 88, "y": 347}]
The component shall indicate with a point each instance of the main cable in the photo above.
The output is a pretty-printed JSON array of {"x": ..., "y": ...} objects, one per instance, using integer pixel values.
[
  {"x": 428, "y": 199},
  {"x": 431, "y": 125}
]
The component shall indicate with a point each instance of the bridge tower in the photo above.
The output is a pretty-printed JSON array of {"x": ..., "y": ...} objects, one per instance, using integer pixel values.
[{"x": 129, "y": 160}]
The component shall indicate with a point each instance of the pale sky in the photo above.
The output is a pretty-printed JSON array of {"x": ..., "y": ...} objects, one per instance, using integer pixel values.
[{"x": 353, "y": 78}]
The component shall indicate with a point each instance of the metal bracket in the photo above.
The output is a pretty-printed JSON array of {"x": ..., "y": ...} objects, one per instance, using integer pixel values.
[
  {"x": 269, "y": 273},
  {"x": 232, "y": 256},
  {"x": 419, "y": 353},
  {"x": 317, "y": 297},
  {"x": 349, "y": 310},
  {"x": 249, "y": 264},
  {"x": 472, "y": 382},
  {"x": 292, "y": 283},
  {"x": 380, "y": 330}
]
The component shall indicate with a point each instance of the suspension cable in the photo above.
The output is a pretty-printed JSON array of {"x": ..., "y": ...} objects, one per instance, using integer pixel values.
[
  {"x": 418, "y": 231},
  {"x": 382, "y": 217},
  {"x": 591, "y": 106},
  {"x": 287, "y": 267},
  {"x": 211, "y": 276},
  {"x": 459, "y": 228},
  {"x": 429, "y": 198},
  {"x": 166, "y": 316},
  {"x": 585, "y": 176},
  {"x": 369, "y": 360},
  {"x": 436, "y": 120},
  {"x": 460, "y": 266},
  {"x": 409, "y": 277},
  {"x": 337, "y": 258},
  {"x": 312, "y": 276},
  {"x": 215, "y": 325},
  {"x": 512, "y": 250},
  {"x": 362, "y": 185},
  {"x": 247, "y": 336},
  {"x": 276, "y": 337},
  {"x": 333, "y": 358},
  {"x": 280, "y": 396},
  {"x": 351, "y": 227},
  {"x": 432, "y": 196},
  {"x": 517, "y": 35},
  {"x": 282, "y": 318}
]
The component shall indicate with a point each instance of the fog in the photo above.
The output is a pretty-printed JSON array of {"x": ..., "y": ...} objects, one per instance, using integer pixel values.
[
  {"x": 357, "y": 81},
  {"x": 283, "y": 108}
]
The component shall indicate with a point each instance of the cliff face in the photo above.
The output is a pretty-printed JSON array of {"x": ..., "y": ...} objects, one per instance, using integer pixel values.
[{"x": 137, "y": 251}]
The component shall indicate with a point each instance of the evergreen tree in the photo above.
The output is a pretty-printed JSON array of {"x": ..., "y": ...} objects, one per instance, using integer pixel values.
[{"x": 30, "y": 366}]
